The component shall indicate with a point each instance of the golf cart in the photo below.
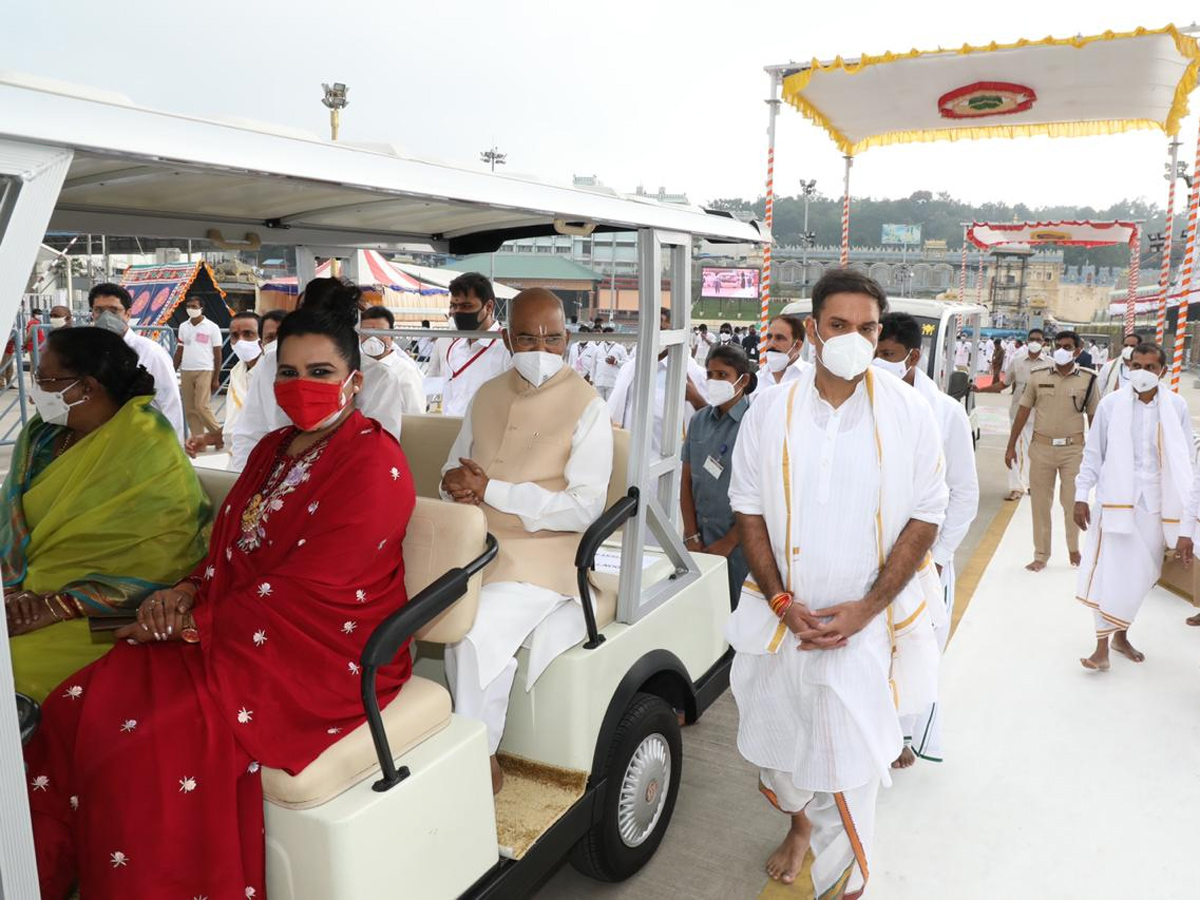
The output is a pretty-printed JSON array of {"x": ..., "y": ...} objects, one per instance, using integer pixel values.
[{"x": 402, "y": 805}]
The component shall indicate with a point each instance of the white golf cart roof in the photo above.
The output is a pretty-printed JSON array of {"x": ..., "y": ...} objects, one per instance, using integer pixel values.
[{"x": 151, "y": 173}]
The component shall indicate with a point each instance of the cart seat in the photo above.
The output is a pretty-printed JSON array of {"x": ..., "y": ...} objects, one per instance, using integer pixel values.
[{"x": 440, "y": 536}]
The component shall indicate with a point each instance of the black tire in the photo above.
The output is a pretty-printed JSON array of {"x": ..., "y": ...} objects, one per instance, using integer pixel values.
[{"x": 603, "y": 853}]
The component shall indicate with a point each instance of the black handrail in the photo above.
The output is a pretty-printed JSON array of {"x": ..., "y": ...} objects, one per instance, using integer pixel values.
[
  {"x": 585, "y": 557},
  {"x": 387, "y": 639}
]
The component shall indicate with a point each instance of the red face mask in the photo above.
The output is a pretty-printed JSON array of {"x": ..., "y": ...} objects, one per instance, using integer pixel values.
[{"x": 311, "y": 405}]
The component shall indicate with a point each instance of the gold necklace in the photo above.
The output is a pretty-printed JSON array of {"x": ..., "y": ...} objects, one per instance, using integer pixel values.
[{"x": 67, "y": 443}]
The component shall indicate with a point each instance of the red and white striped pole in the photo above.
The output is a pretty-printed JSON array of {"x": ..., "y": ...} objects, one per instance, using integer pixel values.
[
  {"x": 962, "y": 271},
  {"x": 844, "y": 260},
  {"x": 1164, "y": 277},
  {"x": 764, "y": 314},
  {"x": 1185, "y": 280},
  {"x": 1135, "y": 263},
  {"x": 979, "y": 280}
]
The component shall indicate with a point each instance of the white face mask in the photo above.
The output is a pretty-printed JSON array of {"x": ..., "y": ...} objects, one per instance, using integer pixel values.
[
  {"x": 1035, "y": 347},
  {"x": 197, "y": 313},
  {"x": 537, "y": 367},
  {"x": 721, "y": 392},
  {"x": 777, "y": 361},
  {"x": 51, "y": 405},
  {"x": 1063, "y": 357},
  {"x": 725, "y": 337},
  {"x": 1127, "y": 354},
  {"x": 1142, "y": 380},
  {"x": 847, "y": 356},
  {"x": 899, "y": 369},
  {"x": 247, "y": 351},
  {"x": 374, "y": 347},
  {"x": 57, "y": 322}
]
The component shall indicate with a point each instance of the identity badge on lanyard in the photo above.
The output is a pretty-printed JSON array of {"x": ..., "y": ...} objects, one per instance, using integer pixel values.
[{"x": 713, "y": 466}]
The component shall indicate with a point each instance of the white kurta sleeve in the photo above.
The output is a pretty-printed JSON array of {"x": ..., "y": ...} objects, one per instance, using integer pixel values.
[
  {"x": 382, "y": 396},
  {"x": 435, "y": 358},
  {"x": 962, "y": 480},
  {"x": 745, "y": 495},
  {"x": 930, "y": 494},
  {"x": 1094, "y": 448},
  {"x": 620, "y": 391},
  {"x": 259, "y": 414},
  {"x": 412, "y": 388},
  {"x": 461, "y": 448},
  {"x": 587, "y": 472},
  {"x": 166, "y": 386}
]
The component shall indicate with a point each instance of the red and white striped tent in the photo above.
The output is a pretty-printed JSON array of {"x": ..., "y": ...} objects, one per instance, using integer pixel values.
[{"x": 373, "y": 269}]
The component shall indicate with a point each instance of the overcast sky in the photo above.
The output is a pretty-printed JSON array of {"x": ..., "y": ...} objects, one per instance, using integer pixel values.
[{"x": 646, "y": 92}]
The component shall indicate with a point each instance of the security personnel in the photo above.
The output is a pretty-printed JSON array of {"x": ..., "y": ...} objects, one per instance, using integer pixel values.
[{"x": 1059, "y": 398}]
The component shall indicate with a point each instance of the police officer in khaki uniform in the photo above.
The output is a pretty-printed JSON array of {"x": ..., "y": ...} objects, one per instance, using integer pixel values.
[{"x": 1058, "y": 398}]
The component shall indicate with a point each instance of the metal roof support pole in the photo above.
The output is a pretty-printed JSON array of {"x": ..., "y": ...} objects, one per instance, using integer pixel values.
[
  {"x": 306, "y": 268},
  {"x": 30, "y": 178},
  {"x": 1164, "y": 278},
  {"x": 657, "y": 475}
]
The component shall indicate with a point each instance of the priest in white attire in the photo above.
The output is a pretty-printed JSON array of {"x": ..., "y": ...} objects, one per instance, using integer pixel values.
[
  {"x": 839, "y": 490},
  {"x": 535, "y": 453},
  {"x": 1114, "y": 374},
  {"x": 1138, "y": 458},
  {"x": 466, "y": 363},
  {"x": 899, "y": 352}
]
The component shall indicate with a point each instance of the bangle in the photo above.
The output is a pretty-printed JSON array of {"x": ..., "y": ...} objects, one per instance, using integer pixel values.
[
  {"x": 50, "y": 609},
  {"x": 780, "y": 603},
  {"x": 692, "y": 537}
]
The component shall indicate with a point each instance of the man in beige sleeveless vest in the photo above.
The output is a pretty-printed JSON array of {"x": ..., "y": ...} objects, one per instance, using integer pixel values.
[{"x": 535, "y": 453}]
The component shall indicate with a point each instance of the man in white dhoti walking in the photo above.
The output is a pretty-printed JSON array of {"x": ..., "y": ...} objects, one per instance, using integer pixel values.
[
  {"x": 899, "y": 352},
  {"x": 839, "y": 493},
  {"x": 535, "y": 452},
  {"x": 1138, "y": 457}
]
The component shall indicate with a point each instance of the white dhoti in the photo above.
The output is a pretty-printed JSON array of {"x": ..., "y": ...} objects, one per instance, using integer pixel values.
[
  {"x": 482, "y": 666},
  {"x": 1018, "y": 472},
  {"x": 923, "y": 732},
  {"x": 842, "y": 828},
  {"x": 1119, "y": 570}
]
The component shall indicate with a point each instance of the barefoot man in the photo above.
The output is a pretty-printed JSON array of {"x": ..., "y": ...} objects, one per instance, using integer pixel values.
[
  {"x": 1058, "y": 398},
  {"x": 839, "y": 490},
  {"x": 1138, "y": 457},
  {"x": 535, "y": 453}
]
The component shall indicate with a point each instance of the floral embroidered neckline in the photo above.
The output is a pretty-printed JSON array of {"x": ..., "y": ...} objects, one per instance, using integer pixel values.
[{"x": 286, "y": 474}]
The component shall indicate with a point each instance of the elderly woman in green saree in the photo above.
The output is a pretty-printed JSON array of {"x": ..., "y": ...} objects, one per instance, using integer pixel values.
[{"x": 101, "y": 506}]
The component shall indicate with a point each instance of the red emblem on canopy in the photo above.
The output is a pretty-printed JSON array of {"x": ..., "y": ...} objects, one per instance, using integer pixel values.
[{"x": 986, "y": 98}]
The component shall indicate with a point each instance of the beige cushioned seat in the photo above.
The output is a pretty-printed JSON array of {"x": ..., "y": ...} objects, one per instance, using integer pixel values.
[{"x": 440, "y": 536}]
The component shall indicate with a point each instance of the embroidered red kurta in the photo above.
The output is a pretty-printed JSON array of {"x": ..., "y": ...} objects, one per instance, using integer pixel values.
[{"x": 144, "y": 776}]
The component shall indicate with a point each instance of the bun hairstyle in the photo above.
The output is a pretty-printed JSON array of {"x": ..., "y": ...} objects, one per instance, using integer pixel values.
[
  {"x": 97, "y": 353},
  {"x": 735, "y": 357},
  {"x": 328, "y": 306}
]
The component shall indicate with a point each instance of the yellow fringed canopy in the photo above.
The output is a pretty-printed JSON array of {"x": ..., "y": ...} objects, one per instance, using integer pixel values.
[{"x": 1062, "y": 87}]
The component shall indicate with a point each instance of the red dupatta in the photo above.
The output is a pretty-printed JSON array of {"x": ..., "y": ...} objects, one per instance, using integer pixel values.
[{"x": 283, "y": 624}]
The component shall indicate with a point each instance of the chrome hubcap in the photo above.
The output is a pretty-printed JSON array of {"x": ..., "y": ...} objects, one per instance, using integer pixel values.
[{"x": 644, "y": 790}]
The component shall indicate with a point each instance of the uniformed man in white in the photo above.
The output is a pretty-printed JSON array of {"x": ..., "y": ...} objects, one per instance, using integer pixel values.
[
  {"x": 535, "y": 453},
  {"x": 380, "y": 398},
  {"x": 1114, "y": 374},
  {"x": 1061, "y": 400},
  {"x": 839, "y": 493},
  {"x": 110, "y": 305},
  {"x": 383, "y": 349},
  {"x": 899, "y": 352},
  {"x": 1138, "y": 458},
  {"x": 466, "y": 363},
  {"x": 1018, "y": 367}
]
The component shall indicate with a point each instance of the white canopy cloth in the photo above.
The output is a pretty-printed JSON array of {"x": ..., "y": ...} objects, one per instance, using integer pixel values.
[
  {"x": 1067, "y": 234},
  {"x": 1063, "y": 87}
]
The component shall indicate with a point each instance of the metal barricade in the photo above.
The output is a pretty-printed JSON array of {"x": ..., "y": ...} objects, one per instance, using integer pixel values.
[{"x": 14, "y": 408}]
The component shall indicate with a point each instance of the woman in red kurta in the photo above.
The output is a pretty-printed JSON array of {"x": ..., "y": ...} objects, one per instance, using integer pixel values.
[{"x": 144, "y": 776}]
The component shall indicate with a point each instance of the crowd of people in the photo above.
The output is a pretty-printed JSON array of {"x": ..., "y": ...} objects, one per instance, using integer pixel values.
[{"x": 837, "y": 489}]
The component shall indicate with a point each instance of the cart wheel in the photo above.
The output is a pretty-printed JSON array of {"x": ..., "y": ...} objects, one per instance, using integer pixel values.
[{"x": 642, "y": 771}]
